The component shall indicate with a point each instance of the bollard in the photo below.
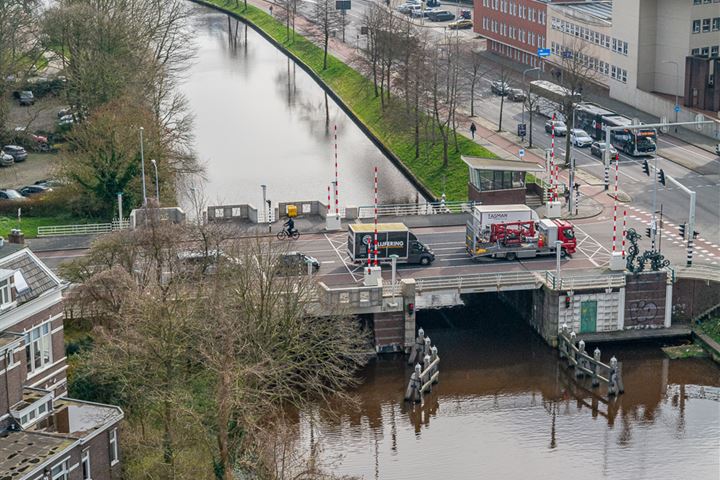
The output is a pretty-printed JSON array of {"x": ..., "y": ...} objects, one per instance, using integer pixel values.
[
  {"x": 426, "y": 350},
  {"x": 419, "y": 344},
  {"x": 580, "y": 359},
  {"x": 436, "y": 368},
  {"x": 571, "y": 356},
  {"x": 612, "y": 383},
  {"x": 596, "y": 357},
  {"x": 562, "y": 343}
]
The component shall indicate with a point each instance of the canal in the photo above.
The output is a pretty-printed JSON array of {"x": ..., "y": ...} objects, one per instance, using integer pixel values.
[
  {"x": 505, "y": 408},
  {"x": 260, "y": 119}
]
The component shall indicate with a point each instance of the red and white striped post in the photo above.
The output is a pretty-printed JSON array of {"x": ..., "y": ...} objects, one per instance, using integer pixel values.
[
  {"x": 615, "y": 205},
  {"x": 624, "y": 231},
  {"x": 375, "y": 239},
  {"x": 552, "y": 157},
  {"x": 337, "y": 196},
  {"x": 328, "y": 204}
]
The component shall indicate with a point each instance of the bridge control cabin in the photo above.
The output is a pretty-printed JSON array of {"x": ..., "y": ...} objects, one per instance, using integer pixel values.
[{"x": 495, "y": 181}]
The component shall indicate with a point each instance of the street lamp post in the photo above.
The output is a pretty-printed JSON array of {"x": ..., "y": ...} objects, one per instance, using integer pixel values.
[
  {"x": 677, "y": 87},
  {"x": 157, "y": 181},
  {"x": 142, "y": 167}
]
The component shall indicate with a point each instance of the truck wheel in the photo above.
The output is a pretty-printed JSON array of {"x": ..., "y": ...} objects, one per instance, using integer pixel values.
[
  {"x": 424, "y": 261},
  {"x": 563, "y": 253},
  {"x": 511, "y": 256}
]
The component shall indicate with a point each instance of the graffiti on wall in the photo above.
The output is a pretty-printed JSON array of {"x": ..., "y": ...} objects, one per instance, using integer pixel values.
[{"x": 642, "y": 313}]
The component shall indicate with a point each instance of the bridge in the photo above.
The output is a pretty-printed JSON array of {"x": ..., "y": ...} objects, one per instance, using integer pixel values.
[{"x": 583, "y": 293}]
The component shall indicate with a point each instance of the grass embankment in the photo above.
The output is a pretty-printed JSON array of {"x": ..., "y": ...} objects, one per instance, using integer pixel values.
[
  {"x": 29, "y": 225},
  {"x": 710, "y": 327},
  {"x": 357, "y": 93}
]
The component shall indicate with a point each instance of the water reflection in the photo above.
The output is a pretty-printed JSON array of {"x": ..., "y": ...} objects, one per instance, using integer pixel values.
[
  {"x": 260, "y": 119},
  {"x": 506, "y": 407}
]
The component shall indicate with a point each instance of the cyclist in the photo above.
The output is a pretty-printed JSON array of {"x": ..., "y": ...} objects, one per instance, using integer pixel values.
[{"x": 290, "y": 226}]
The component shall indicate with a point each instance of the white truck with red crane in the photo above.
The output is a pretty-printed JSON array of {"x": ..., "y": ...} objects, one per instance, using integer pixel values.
[{"x": 515, "y": 231}]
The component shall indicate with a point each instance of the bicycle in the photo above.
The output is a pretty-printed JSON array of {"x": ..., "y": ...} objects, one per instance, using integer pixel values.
[{"x": 283, "y": 234}]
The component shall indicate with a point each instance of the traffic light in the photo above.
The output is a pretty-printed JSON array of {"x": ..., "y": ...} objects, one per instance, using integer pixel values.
[
  {"x": 695, "y": 234},
  {"x": 647, "y": 232},
  {"x": 681, "y": 227},
  {"x": 410, "y": 308},
  {"x": 646, "y": 168},
  {"x": 617, "y": 157},
  {"x": 661, "y": 177},
  {"x": 567, "y": 301}
]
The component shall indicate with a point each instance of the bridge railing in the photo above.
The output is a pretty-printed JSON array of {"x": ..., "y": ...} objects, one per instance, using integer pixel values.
[
  {"x": 85, "y": 229},
  {"x": 404, "y": 209},
  {"x": 698, "y": 272},
  {"x": 477, "y": 280},
  {"x": 589, "y": 365},
  {"x": 358, "y": 296},
  {"x": 579, "y": 282}
]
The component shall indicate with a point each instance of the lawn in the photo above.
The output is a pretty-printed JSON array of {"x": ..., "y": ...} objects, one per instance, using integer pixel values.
[
  {"x": 357, "y": 93},
  {"x": 29, "y": 225},
  {"x": 711, "y": 328}
]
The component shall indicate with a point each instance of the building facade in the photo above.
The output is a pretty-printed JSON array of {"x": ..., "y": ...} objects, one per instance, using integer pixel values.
[
  {"x": 43, "y": 434},
  {"x": 514, "y": 28}
]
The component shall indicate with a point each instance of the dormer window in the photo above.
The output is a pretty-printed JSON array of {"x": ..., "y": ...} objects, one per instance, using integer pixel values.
[{"x": 5, "y": 293}]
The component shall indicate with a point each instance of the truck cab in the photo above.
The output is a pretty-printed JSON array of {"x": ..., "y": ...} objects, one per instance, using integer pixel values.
[
  {"x": 419, "y": 253},
  {"x": 550, "y": 231}
]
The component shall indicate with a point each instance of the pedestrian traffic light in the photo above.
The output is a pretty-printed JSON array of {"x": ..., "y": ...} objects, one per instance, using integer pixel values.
[
  {"x": 661, "y": 177},
  {"x": 646, "y": 168},
  {"x": 567, "y": 301},
  {"x": 681, "y": 227},
  {"x": 647, "y": 232},
  {"x": 410, "y": 308}
]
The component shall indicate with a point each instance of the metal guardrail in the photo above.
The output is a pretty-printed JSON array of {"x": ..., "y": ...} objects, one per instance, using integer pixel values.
[
  {"x": 583, "y": 281},
  {"x": 698, "y": 272},
  {"x": 589, "y": 365},
  {"x": 430, "y": 208},
  {"x": 87, "y": 229},
  {"x": 475, "y": 281}
]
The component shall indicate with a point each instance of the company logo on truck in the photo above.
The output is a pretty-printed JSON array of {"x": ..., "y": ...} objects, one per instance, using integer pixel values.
[
  {"x": 497, "y": 216},
  {"x": 368, "y": 240}
]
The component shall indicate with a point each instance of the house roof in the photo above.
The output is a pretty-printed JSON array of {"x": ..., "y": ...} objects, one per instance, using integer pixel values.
[
  {"x": 22, "y": 452},
  {"x": 480, "y": 163},
  {"x": 38, "y": 277}
]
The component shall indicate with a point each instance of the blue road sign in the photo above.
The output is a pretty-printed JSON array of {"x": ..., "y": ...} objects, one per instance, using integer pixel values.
[
  {"x": 567, "y": 54},
  {"x": 543, "y": 52},
  {"x": 677, "y": 108}
]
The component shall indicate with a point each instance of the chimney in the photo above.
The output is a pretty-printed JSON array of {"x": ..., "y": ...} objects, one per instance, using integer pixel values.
[{"x": 16, "y": 236}]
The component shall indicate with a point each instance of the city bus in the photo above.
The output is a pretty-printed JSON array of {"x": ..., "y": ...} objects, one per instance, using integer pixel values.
[{"x": 594, "y": 118}]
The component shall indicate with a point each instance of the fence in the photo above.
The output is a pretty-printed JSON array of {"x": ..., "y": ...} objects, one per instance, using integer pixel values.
[
  {"x": 583, "y": 281},
  {"x": 86, "y": 229},
  {"x": 591, "y": 366},
  {"x": 697, "y": 272},
  {"x": 430, "y": 208},
  {"x": 479, "y": 281}
]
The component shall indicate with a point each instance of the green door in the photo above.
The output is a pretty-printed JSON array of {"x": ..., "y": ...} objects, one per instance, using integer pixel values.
[{"x": 588, "y": 316}]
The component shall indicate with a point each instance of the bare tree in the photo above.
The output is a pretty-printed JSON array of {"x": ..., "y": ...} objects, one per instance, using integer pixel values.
[
  {"x": 576, "y": 72},
  {"x": 326, "y": 21},
  {"x": 445, "y": 71},
  {"x": 475, "y": 69},
  {"x": 503, "y": 77}
]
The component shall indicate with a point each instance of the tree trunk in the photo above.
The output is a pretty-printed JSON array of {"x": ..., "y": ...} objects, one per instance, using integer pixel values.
[
  {"x": 531, "y": 128},
  {"x": 472, "y": 95},
  {"x": 502, "y": 104},
  {"x": 225, "y": 467}
]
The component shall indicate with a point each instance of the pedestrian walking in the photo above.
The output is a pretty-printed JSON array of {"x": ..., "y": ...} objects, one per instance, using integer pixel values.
[
  {"x": 473, "y": 129},
  {"x": 271, "y": 10}
]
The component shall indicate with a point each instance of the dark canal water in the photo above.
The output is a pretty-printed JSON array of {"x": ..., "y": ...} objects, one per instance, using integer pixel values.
[
  {"x": 505, "y": 408},
  {"x": 259, "y": 119}
]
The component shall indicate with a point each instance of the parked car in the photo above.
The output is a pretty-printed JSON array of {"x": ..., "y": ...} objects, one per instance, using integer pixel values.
[
  {"x": 499, "y": 88},
  {"x": 25, "y": 97},
  {"x": 32, "y": 190},
  {"x": 516, "y": 95},
  {"x": 580, "y": 138},
  {"x": 66, "y": 120},
  {"x": 63, "y": 111},
  {"x": 466, "y": 14},
  {"x": 417, "y": 11},
  {"x": 50, "y": 183},
  {"x": 440, "y": 16},
  {"x": 296, "y": 263},
  {"x": 432, "y": 3},
  {"x": 717, "y": 149},
  {"x": 10, "y": 194},
  {"x": 598, "y": 149},
  {"x": 18, "y": 153},
  {"x": 35, "y": 142},
  {"x": 560, "y": 128},
  {"x": 460, "y": 24},
  {"x": 6, "y": 160}
]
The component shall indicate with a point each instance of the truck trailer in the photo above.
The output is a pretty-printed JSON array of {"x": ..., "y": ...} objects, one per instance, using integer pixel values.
[
  {"x": 519, "y": 238},
  {"x": 393, "y": 239}
]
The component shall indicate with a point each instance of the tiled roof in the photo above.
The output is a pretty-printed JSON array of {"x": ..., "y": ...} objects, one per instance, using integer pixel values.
[{"x": 37, "y": 277}]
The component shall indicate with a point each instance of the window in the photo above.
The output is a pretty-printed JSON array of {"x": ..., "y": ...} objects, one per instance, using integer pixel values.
[
  {"x": 5, "y": 293},
  {"x": 716, "y": 24},
  {"x": 705, "y": 51},
  {"x": 696, "y": 26},
  {"x": 113, "y": 447},
  {"x": 38, "y": 347},
  {"x": 613, "y": 72},
  {"x": 714, "y": 51},
  {"x": 695, "y": 51},
  {"x": 59, "y": 472},
  {"x": 85, "y": 459},
  {"x": 623, "y": 75},
  {"x": 706, "y": 25},
  {"x": 625, "y": 48}
]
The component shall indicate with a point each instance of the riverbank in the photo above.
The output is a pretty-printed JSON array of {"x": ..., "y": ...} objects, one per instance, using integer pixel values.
[{"x": 355, "y": 95}]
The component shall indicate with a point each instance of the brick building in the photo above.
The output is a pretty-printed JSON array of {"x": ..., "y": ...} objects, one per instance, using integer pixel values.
[
  {"x": 43, "y": 434},
  {"x": 513, "y": 28}
]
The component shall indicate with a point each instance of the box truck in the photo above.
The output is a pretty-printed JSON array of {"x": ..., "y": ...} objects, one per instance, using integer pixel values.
[{"x": 393, "y": 239}]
